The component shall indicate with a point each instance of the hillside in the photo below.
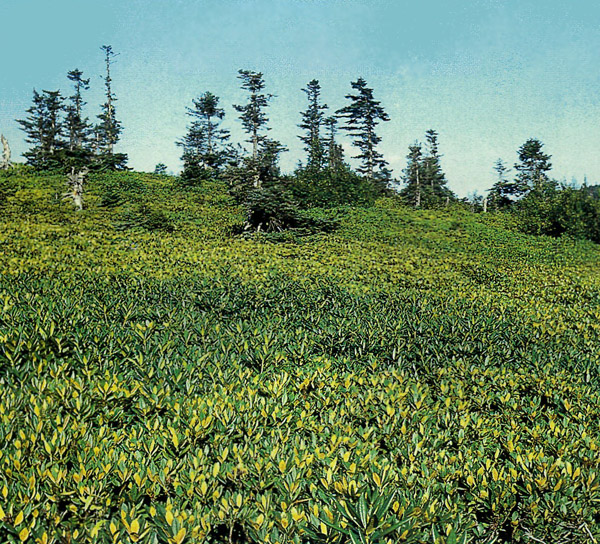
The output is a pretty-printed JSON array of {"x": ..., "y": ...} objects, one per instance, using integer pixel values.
[{"x": 411, "y": 376}]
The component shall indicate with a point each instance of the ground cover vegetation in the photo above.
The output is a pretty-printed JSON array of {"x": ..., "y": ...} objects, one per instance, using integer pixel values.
[
  {"x": 413, "y": 376},
  {"x": 238, "y": 355}
]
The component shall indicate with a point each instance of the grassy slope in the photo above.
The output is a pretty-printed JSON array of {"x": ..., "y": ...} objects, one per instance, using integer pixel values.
[{"x": 440, "y": 352}]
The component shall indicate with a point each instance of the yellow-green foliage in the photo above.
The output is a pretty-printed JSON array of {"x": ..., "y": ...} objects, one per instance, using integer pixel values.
[{"x": 412, "y": 377}]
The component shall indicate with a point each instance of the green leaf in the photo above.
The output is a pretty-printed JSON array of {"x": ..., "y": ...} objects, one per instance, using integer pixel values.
[
  {"x": 335, "y": 527},
  {"x": 385, "y": 504},
  {"x": 363, "y": 511},
  {"x": 357, "y": 538},
  {"x": 392, "y": 528}
]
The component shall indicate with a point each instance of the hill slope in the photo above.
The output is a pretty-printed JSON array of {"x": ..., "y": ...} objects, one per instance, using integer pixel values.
[{"x": 167, "y": 380}]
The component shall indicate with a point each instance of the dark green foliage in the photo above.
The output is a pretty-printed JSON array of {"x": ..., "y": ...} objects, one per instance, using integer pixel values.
[
  {"x": 503, "y": 191},
  {"x": 569, "y": 211},
  {"x": 539, "y": 204},
  {"x": 262, "y": 165},
  {"x": 414, "y": 190},
  {"x": 61, "y": 136},
  {"x": 44, "y": 129},
  {"x": 252, "y": 115},
  {"x": 114, "y": 191},
  {"x": 147, "y": 217},
  {"x": 107, "y": 162},
  {"x": 271, "y": 208},
  {"x": 160, "y": 169},
  {"x": 7, "y": 186},
  {"x": 275, "y": 206},
  {"x": 591, "y": 190},
  {"x": 77, "y": 126},
  {"x": 327, "y": 180},
  {"x": 368, "y": 521},
  {"x": 433, "y": 176},
  {"x": 205, "y": 149},
  {"x": 267, "y": 164},
  {"x": 333, "y": 187},
  {"x": 361, "y": 117},
  {"x": 425, "y": 182},
  {"x": 335, "y": 184},
  {"x": 335, "y": 152},
  {"x": 107, "y": 132},
  {"x": 313, "y": 118},
  {"x": 532, "y": 170}
]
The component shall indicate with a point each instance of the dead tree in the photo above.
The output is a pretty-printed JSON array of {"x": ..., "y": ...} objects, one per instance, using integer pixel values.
[
  {"x": 76, "y": 181},
  {"x": 5, "y": 164}
]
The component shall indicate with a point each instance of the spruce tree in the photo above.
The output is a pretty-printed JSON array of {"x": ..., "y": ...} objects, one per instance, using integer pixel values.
[
  {"x": 252, "y": 115},
  {"x": 44, "y": 128},
  {"x": 312, "y": 120},
  {"x": 501, "y": 193},
  {"x": 254, "y": 120},
  {"x": 205, "y": 148},
  {"x": 34, "y": 127},
  {"x": 532, "y": 170},
  {"x": 334, "y": 151},
  {"x": 433, "y": 176},
  {"x": 108, "y": 130},
  {"x": 77, "y": 126},
  {"x": 413, "y": 176},
  {"x": 362, "y": 116}
]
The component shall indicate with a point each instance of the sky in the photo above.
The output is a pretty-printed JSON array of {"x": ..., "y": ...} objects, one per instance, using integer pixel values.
[{"x": 485, "y": 74}]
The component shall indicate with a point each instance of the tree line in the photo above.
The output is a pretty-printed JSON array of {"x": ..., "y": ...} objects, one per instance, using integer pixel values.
[
  {"x": 62, "y": 137},
  {"x": 323, "y": 177}
]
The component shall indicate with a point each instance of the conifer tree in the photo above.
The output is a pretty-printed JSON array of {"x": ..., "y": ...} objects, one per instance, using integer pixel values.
[
  {"x": 433, "y": 176},
  {"x": 44, "y": 128},
  {"x": 312, "y": 120},
  {"x": 205, "y": 148},
  {"x": 362, "y": 116},
  {"x": 54, "y": 107},
  {"x": 160, "y": 169},
  {"x": 501, "y": 193},
  {"x": 335, "y": 152},
  {"x": 77, "y": 126},
  {"x": 532, "y": 170},
  {"x": 254, "y": 120},
  {"x": 252, "y": 115},
  {"x": 108, "y": 130},
  {"x": 34, "y": 126},
  {"x": 413, "y": 176}
]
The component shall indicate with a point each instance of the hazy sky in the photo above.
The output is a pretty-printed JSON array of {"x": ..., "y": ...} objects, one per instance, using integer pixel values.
[{"x": 486, "y": 74}]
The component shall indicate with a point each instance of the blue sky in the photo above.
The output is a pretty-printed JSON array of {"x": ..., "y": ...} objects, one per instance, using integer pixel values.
[{"x": 486, "y": 74}]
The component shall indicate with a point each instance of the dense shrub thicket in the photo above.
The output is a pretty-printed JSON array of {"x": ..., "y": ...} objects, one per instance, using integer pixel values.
[{"x": 414, "y": 376}]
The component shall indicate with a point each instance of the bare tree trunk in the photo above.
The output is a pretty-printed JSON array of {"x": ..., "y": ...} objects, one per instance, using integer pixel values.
[
  {"x": 5, "y": 163},
  {"x": 370, "y": 159},
  {"x": 255, "y": 143},
  {"x": 53, "y": 132},
  {"x": 255, "y": 157},
  {"x": 76, "y": 181},
  {"x": 485, "y": 205},
  {"x": 418, "y": 200},
  {"x": 209, "y": 136}
]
